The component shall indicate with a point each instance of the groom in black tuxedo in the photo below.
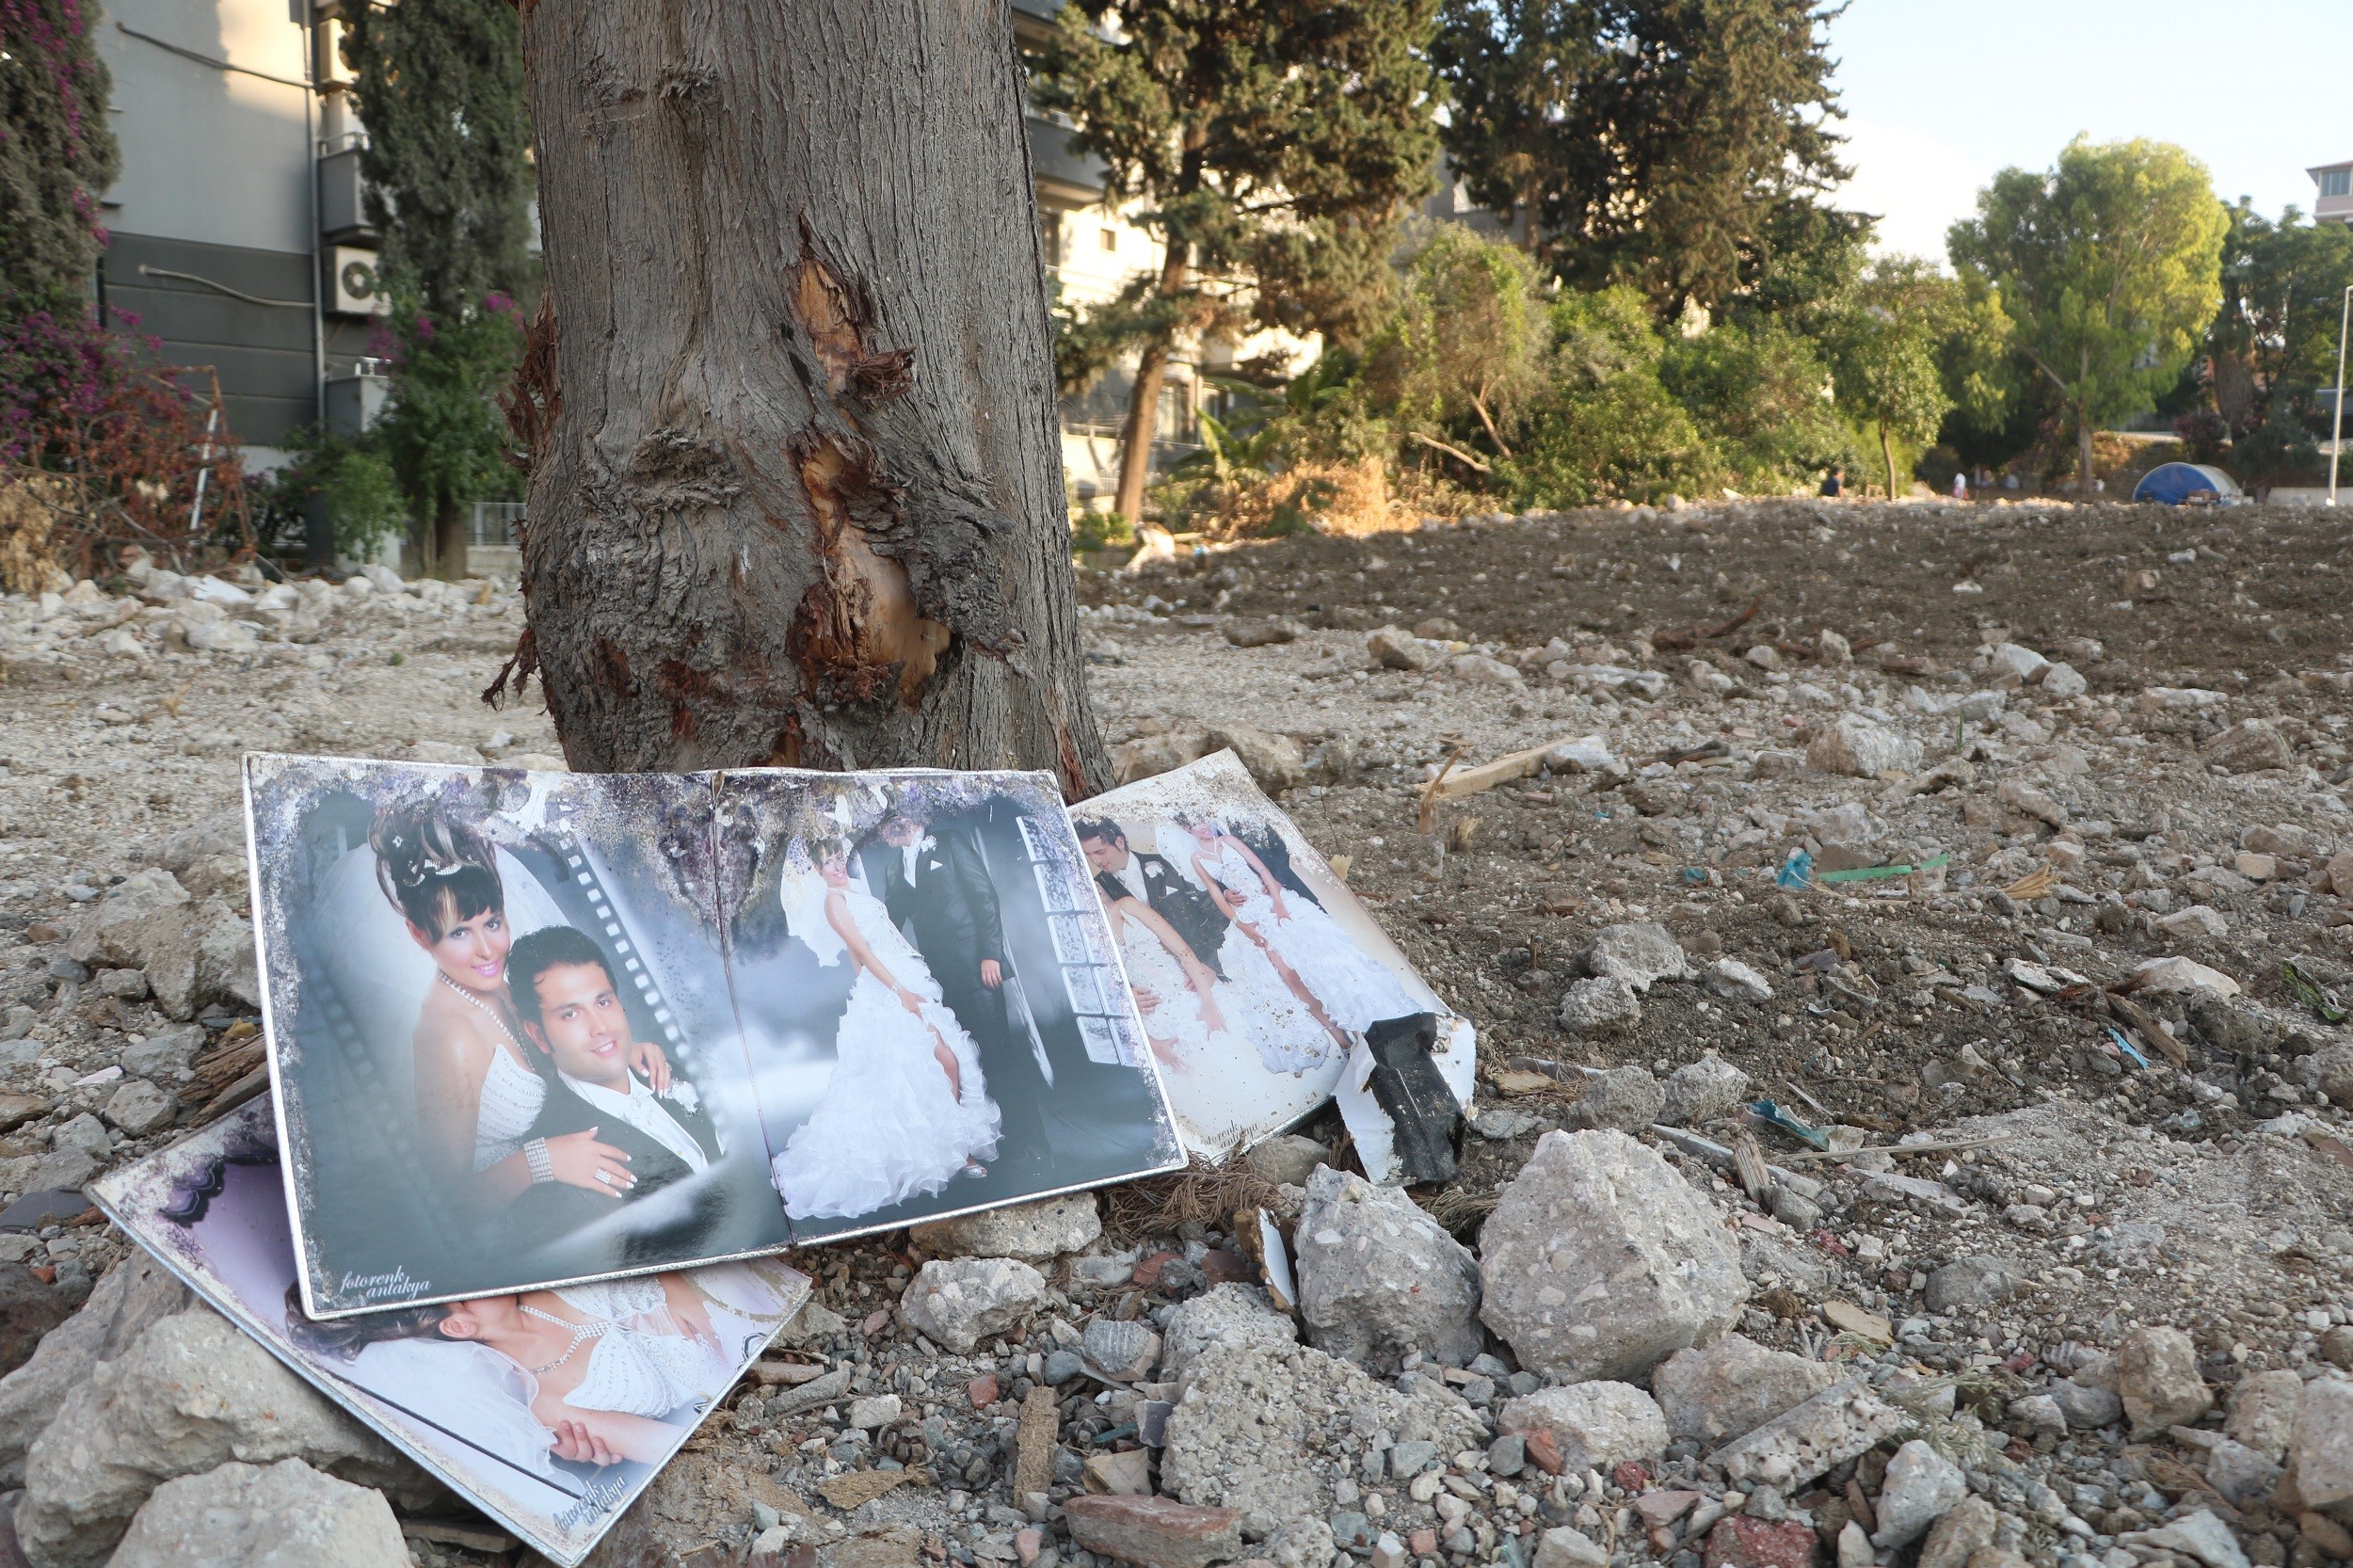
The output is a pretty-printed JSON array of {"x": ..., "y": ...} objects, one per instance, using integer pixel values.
[
  {"x": 1122, "y": 873},
  {"x": 642, "y": 1142},
  {"x": 936, "y": 888}
]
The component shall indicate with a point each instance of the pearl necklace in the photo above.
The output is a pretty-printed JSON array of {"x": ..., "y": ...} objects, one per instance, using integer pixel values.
[
  {"x": 581, "y": 1333},
  {"x": 472, "y": 1000}
]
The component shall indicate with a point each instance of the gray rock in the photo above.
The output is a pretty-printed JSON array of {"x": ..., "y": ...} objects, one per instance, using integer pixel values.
[
  {"x": 1395, "y": 650},
  {"x": 192, "y": 1393},
  {"x": 162, "y": 1057},
  {"x": 1301, "y": 1544},
  {"x": 1641, "y": 953},
  {"x": 139, "y": 1107},
  {"x": 64, "y": 1169},
  {"x": 2038, "y": 1413},
  {"x": 2156, "y": 1374},
  {"x": 1287, "y": 1159},
  {"x": 1593, "y": 1006},
  {"x": 2199, "y": 1535},
  {"x": 2063, "y": 680},
  {"x": 1120, "y": 1349},
  {"x": 1507, "y": 1456},
  {"x": 1569, "y": 1547},
  {"x": 880, "y": 1410},
  {"x": 1033, "y": 1232},
  {"x": 192, "y": 954},
  {"x": 1596, "y": 1426},
  {"x": 1922, "y": 1486},
  {"x": 129, "y": 1297},
  {"x": 2323, "y": 1447},
  {"x": 1379, "y": 1278},
  {"x": 243, "y": 1516},
  {"x": 1600, "y": 1261},
  {"x": 2238, "y": 1472},
  {"x": 1733, "y": 1387},
  {"x": 1857, "y": 748},
  {"x": 1971, "y": 1282},
  {"x": 1701, "y": 1091},
  {"x": 1736, "y": 981},
  {"x": 1967, "y": 1528},
  {"x": 1273, "y": 761},
  {"x": 2263, "y": 1412},
  {"x": 1223, "y": 1314},
  {"x": 960, "y": 1302},
  {"x": 1258, "y": 1429},
  {"x": 1838, "y": 1424},
  {"x": 2251, "y": 745},
  {"x": 1627, "y": 1099},
  {"x": 2084, "y": 1406}
]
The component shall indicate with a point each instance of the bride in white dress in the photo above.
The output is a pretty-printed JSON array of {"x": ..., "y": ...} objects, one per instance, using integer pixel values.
[
  {"x": 905, "y": 1110},
  {"x": 1182, "y": 990},
  {"x": 1349, "y": 988}
]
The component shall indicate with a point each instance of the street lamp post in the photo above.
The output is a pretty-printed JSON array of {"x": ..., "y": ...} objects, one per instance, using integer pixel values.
[{"x": 2336, "y": 433}]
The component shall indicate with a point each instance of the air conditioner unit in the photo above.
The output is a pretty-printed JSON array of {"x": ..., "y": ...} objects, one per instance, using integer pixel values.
[{"x": 354, "y": 288}]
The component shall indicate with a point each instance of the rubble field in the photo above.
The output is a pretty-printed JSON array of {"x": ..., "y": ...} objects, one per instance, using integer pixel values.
[{"x": 2049, "y": 1259}]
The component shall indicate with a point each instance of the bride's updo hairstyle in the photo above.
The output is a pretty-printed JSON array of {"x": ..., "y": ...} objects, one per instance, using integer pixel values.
[
  {"x": 437, "y": 874},
  {"x": 344, "y": 1338}
]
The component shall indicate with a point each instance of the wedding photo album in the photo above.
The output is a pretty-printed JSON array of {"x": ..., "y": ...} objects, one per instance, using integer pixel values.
[
  {"x": 531, "y": 1029},
  {"x": 1264, "y": 986},
  {"x": 549, "y": 1410}
]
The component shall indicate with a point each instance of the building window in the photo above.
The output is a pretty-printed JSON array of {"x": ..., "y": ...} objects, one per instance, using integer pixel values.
[
  {"x": 1111, "y": 239},
  {"x": 2336, "y": 182}
]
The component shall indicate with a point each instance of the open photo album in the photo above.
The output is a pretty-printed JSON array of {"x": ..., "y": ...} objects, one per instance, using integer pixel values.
[
  {"x": 549, "y": 1410},
  {"x": 532, "y": 1030}
]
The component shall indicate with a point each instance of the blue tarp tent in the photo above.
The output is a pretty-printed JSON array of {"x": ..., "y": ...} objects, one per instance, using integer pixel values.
[{"x": 2174, "y": 483}]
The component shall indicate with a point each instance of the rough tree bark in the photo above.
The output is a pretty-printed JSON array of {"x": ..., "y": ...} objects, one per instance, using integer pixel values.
[{"x": 796, "y": 494}]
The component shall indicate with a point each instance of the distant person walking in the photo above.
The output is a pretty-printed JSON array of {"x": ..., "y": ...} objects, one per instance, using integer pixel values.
[
  {"x": 1835, "y": 483},
  {"x": 1961, "y": 486}
]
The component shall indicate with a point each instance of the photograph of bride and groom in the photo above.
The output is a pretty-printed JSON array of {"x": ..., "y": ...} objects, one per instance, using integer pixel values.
[{"x": 537, "y": 1028}]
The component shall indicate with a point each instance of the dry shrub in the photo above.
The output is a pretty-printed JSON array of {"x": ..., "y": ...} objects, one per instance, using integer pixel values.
[
  {"x": 1201, "y": 1194},
  {"x": 30, "y": 509},
  {"x": 1327, "y": 498}
]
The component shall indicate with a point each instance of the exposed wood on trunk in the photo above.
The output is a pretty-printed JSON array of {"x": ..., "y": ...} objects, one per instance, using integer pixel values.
[{"x": 797, "y": 489}]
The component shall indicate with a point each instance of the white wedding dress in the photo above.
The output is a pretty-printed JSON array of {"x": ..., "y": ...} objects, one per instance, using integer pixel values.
[
  {"x": 1174, "y": 1022},
  {"x": 641, "y": 1365},
  {"x": 1355, "y": 989},
  {"x": 1256, "y": 997},
  {"x": 888, "y": 1128}
]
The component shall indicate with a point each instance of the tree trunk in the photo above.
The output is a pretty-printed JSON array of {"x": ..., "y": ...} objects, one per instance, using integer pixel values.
[
  {"x": 449, "y": 543},
  {"x": 2083, "y": 451},
  {"x": 1887, "y": 451},
  {"x": 1143, "y": 404},
  {"x": 797, "y": 493}
]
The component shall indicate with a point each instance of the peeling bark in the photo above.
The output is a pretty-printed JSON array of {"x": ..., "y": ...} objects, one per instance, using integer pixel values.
[{"x": 798, "y": 491}]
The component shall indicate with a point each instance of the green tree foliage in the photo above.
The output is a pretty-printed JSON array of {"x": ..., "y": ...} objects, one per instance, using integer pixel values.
[
  {"x": 2282, "y": 296},
  {"x": 1885, "y": 346},
  {"x": 1680, "y": 146},
  {"x": 443, "y": 437},
  {"x": 2109, "y": 269},
  {"x": 1467, "y": 345},
  {"x": 1762, "y": 397},
  {"x": 439, "y": 87},
  {"x": 1271, "y": 144},
  {"x": 1605, "y": 425},
  {"x": 57, "y": 154}
]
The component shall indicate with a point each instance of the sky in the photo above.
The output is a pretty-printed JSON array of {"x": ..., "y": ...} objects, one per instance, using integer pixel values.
[{"x": 1942, "y": 94}]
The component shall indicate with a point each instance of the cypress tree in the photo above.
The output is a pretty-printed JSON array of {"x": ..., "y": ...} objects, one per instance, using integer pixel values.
[
  {"x": 440, "y": 84},
  {"x": 439, "y": 87},
  {"x": 1271, "y": 144},
  {"x": 57, "y": 154},
  {"x": 1680, "y": 146}
]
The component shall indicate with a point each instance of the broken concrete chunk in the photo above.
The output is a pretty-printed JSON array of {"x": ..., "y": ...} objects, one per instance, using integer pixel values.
[
  {"x": 1639, "y": 953},
  {"x": 1857, "y": 748},
  {"x": 1702, "y": 1090},
  {"x": 2323, "y": 1446},
  {"x": 1395, "y": 650},
  {"x": 1379, "y": 1279},
  {"x": 2175, "y": 975},
  {"x": 1838, "y": 1424},
  {"x": 1231, "y": 1315},
  {"x": 2263, "y": 1412},
  {"x": 959, "y": 1302},
  {"x": 287, "y": 1515},
  {"x": 1033, "y": 1232},
  {"x": 1731, "y": 979},
  {"x": 1733, "y": 1387},
  {"x": 1627, "y": 1099},
  {"x": 1593, "y": 1426},
  {"x": 2157, "y": 1375},
  {"x": 1593, "y": 1006},
  {"x": 1600, "y": 1261},
  {"x": 1922, "y": 1485}
]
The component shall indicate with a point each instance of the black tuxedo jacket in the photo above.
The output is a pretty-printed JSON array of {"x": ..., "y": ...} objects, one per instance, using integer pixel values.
[
  {"x": 951, "y": 907},
  {"x": 1175, "y": 899},
  {"x": 549, "y": 1208}
]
